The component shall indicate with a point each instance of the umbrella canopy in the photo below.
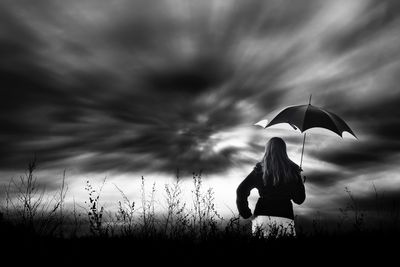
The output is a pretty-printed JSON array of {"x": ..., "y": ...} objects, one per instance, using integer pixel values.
[{"x": 308, "y": 116}]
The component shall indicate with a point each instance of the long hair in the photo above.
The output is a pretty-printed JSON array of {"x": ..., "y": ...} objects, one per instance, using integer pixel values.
[{"x": 276, "y": 164}]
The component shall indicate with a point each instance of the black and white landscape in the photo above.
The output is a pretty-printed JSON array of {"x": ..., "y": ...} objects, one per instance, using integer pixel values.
[{"x": 117, "y": 99}]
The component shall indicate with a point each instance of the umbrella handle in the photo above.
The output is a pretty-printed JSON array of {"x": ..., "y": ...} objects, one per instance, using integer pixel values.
[{"x": 302, "y": 152}]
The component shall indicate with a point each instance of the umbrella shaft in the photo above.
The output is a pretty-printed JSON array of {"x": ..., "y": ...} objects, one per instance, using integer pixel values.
[{"x": 302, "y": 150}]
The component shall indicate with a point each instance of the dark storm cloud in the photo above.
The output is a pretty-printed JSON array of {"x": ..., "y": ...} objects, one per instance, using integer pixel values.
[
  {"x": 372, "y": 109},
  {"x": 359, "y": 156},
  {"x": 324, "y": 178},
  {"x": 134, "y": 85},
  {"x": 128, "y": 93},
  {"x": 191, "y": 78},
  {"x": 377, "y": 16},
  {"x": 378, "y": 121}
]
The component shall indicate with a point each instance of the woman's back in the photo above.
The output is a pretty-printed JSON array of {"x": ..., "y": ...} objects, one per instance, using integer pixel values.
[
  {"x": 292, "y": 190},
  {"x": 275, "y": 200}
]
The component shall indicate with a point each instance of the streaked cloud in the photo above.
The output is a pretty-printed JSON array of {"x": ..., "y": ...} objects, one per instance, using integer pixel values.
[{"x": 142, "y": 86}]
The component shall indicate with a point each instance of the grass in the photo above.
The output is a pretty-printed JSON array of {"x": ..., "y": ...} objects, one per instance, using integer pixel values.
[{"x": 35, "y": 225}]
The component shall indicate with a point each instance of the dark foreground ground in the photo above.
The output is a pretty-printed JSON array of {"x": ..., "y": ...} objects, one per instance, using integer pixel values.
[{"x": 22, "y": 247}]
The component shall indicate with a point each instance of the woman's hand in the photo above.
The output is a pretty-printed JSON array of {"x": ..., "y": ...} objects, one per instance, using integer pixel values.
[{"x": 248, "y": 219}]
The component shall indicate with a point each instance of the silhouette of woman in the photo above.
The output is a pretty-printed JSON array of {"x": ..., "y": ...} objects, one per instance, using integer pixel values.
[{"x": 278, "y": 181}]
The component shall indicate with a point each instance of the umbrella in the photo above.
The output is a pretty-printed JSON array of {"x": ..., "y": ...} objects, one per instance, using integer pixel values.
[{"x": 304, "y": 117}]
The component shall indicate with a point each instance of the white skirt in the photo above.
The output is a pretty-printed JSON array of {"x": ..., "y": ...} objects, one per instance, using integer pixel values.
[{"x": 271, "y": 226}]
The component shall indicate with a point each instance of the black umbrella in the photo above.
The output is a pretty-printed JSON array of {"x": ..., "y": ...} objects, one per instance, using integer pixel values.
[{"x": 308, "y": 116}]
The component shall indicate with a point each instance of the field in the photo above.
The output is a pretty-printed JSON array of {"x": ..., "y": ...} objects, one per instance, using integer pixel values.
[{"x": 36, "y": 229}]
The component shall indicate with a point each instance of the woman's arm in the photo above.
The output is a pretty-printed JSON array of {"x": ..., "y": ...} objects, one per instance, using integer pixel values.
[
  {"x": 242, "y": 193},
  {"x": 299, "y": 192}
]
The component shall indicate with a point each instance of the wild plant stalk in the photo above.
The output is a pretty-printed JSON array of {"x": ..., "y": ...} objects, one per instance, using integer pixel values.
[
  {"x": 176, "y": 218},
  {"x": 151, "y": 206},
  {"x": 8, "y": 199},
  {"x": 233, "y": 225},
  {"x": 148, "y": 210},
  {"x": 395, "y": 216},
  {"x": 388, "y": 213},
  {"x": 77, "y": 223},
  {"x": 28, "y": 195},
  {"x": 144, "y": 206},
  {"x": 48, "y": 220},
  {"x": 205, "y": 215},
  {"x": 318, "y": 225},
  {"x": 196, "y": 195},
  {"x": 95, "y": 211},
  {"x": 125, "y": 214},
  {"x": 62, "y": 194},
  {"x": 354, "y": 206},
  {"x": 36, "y": 213}
]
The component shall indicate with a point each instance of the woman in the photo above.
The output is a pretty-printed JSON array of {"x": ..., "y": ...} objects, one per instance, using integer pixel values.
[{"x": 278, "y": 181}]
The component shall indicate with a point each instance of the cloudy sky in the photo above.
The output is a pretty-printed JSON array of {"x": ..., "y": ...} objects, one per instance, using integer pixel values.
[{"x": 126, "y": 88}]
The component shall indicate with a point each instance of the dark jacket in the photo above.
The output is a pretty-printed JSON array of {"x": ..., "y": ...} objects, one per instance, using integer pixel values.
[{"x": 274, "y": 200}]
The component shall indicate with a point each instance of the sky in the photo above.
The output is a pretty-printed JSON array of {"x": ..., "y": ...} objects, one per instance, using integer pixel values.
[{"x": 123, "y": 89}]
